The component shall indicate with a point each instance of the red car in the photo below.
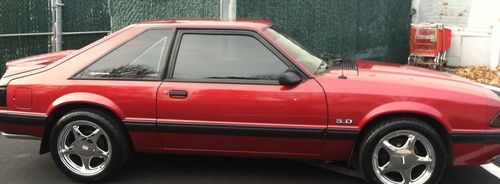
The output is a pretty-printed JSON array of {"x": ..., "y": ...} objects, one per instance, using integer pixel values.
[{"x": 243, "y": 88}]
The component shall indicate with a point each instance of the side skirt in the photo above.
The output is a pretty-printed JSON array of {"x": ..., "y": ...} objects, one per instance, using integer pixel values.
[{"x": 259, "y": 131}]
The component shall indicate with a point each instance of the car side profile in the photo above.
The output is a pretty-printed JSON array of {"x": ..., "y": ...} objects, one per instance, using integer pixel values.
[{"x": 243, "y": 88}]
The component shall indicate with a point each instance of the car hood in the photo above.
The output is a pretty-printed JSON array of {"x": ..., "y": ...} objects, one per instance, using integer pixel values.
[
  {"x": 409, "y": 71},
  {"x": 33, "y": 62},
  {"x": 387, "y": 74}
]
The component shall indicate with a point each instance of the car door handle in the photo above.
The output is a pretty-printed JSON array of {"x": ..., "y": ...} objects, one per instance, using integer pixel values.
[{"x": 178, "y": 93}]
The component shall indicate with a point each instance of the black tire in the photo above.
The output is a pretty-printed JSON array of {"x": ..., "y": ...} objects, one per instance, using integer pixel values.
[
  {"x": 377, "y": 133},
  {"x": 118, "y": 138}
]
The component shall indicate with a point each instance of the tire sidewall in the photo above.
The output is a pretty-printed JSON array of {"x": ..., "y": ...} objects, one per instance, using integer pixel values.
[
  {"x": 372, "y": 140},
  {"x": 114, "y": 137}
]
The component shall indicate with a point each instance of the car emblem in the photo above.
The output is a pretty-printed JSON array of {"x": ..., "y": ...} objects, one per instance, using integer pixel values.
[
  {"x": 343, "y": 121},
  {"x": 85, "y": 147}
]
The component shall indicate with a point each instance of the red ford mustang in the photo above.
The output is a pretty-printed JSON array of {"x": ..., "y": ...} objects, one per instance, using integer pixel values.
[{"x": 243, "y": 88}]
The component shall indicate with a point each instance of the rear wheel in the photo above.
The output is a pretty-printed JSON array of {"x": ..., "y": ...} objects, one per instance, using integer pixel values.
[
  {"x": 89, "y": 145},
  {"x": 402, "y": 151}
]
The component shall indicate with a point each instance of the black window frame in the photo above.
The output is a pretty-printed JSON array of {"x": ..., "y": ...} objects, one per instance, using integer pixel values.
[
  {"x": 167, "y": 49},
  {"x": 237, "y": 32}
]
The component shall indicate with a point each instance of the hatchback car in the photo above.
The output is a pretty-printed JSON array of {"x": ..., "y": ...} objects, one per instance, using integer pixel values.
[{"x": 244, "y": 88}]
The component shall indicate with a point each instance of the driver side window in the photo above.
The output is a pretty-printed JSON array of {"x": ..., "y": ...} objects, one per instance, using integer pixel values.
[{"x": 225, "y": 57}]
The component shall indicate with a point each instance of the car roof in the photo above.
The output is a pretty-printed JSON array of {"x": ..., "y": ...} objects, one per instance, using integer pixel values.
[{"x": 209, "y": 22}]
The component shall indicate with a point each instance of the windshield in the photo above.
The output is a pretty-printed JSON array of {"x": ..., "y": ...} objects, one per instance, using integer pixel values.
[{"x": 312, "y": 62}]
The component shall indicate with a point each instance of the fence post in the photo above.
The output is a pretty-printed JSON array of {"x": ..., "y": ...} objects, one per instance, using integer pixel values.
[
  {"x": 57, "y": 37},
  {"x": 228, "y": 9}
]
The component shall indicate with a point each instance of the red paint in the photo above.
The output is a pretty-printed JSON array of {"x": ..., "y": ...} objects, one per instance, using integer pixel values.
[
  {"x": 378, "y": 89},
  {"x": 22, "y": 98}
]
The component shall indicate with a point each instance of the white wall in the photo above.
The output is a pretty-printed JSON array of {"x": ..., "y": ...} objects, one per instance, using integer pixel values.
[{"x": 475, "y": 25}]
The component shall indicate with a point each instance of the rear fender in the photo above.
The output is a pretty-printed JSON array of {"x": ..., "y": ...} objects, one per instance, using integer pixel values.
[
  {"x": 85, "y": 98},
  {"x": 76, "y": 98}
]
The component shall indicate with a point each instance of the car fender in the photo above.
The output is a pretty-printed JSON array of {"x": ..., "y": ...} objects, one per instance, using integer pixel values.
[
  {"x": 405, "y": 107},
  {"x": 86, "y": 98}
]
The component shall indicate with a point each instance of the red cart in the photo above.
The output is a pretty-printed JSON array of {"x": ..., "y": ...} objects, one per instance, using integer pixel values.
[{"x": 428, "y": 44}]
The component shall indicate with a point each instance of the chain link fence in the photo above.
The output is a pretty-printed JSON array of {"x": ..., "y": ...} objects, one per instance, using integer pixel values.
[{"x": 369, "y": 29}]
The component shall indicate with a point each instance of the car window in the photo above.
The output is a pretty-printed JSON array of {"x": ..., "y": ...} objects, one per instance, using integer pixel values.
[
  {"x": 205, "y": 57},
  {"x": 309, "y": 59},
  {"x": 139, "y": 58}
]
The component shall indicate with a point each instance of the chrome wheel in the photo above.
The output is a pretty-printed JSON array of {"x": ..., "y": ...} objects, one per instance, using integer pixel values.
[
  {"x": 404, "y": 156},
  {"x": 84, "y": 148}
]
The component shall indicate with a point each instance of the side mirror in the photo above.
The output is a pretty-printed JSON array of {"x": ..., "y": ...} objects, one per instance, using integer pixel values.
[{"x": 290, "y": 78}]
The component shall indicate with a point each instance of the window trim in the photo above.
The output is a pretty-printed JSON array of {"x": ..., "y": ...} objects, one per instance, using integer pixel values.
[
  {"x": 238, "y": 32},
  {"x": 163, "y": 65}
]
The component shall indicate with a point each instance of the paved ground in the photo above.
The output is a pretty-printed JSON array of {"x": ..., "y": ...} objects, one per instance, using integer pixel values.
[{"x": 20, "y": 163}]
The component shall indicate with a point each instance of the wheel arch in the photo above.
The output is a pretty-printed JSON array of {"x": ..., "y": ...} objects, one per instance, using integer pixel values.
[
  {"x": 70, "y": 102},
  {"x": 409, "y": 108},
  {"x": 429, "y": 118},
  {"x": 85, "y": 99}
]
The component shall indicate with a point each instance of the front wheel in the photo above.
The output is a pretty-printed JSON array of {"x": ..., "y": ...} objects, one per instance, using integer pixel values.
[
  {"x": 402, "y": 151},
  {"x": 89, "y": 145}
]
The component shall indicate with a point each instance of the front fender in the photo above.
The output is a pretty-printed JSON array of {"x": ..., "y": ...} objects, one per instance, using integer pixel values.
[
  {"x": 85, "y": 98},
  {"x": 405, "y": 107}
]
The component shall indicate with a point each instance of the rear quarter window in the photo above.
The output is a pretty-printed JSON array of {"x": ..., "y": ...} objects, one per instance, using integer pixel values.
[{"x": 139, "y": 58}]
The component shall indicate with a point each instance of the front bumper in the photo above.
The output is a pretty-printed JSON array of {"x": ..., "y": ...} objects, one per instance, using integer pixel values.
[
  {"x": 475, "y": 148},
  {"x": 476, "y": 137}
]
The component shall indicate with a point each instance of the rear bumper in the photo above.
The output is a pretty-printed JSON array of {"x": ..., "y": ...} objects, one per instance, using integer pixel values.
[
  {"x": 20, "y": 136},
  {"x": 19, "y": 125},
  {"x": 475, "y": 148}
]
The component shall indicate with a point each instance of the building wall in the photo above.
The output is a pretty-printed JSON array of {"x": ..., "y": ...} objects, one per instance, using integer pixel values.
[
  {"x": 475, "y": 25},
  {"x": 370, "y": 29}
]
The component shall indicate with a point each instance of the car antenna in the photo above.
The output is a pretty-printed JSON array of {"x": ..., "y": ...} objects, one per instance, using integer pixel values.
[{"x": 340, "y": 62}]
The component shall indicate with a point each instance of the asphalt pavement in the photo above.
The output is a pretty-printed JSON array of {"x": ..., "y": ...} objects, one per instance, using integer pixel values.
[{"x": 21, "y": 163}]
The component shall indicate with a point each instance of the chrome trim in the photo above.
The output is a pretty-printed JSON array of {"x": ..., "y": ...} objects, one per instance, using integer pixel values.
[
  {"x": 20, "y": 136},
  {"x": 401, "y": 157},
  {"x": 73, "y": 141}
]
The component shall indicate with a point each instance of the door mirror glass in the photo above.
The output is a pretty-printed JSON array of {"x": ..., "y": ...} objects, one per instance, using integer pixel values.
[{"x": 290, "y": 78}]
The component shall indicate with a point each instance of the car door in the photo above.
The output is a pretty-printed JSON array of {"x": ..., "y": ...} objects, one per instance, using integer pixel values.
[{"x": 221, "y": 95}]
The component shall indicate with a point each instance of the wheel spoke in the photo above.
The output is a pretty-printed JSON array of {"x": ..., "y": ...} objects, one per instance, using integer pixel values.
[
  {"x": 94, "y": 136},
  {"x": 68, "y": 150},
  {"x": 406, "y": 174},
  {"x": 424, "y": 160},
  {"x": 389, "y": 146},
  {"x": 387, "y": 168},
  {"x": 410, "y": 142},
  {"x": 102, "y": 154},
  {"x": 76, "y": 132},
  {"x": 86, "y": 163}
]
